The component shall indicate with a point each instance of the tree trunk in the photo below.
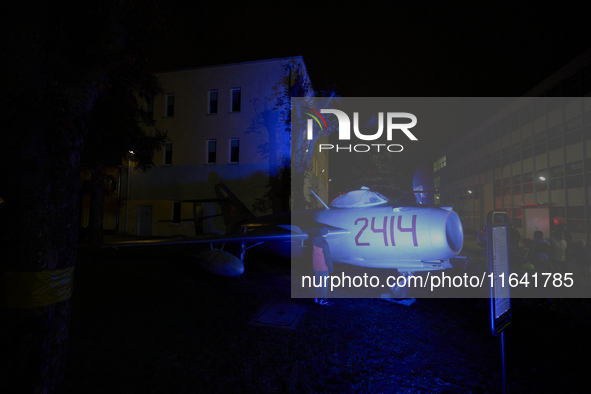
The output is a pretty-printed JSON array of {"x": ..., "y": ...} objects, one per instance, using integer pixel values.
[
  {"x": 97, "y": 206},
  {"x": 297, "y": 190},
  {"x": 39, "y": 174},
  {"x": 39, "y": 234}
]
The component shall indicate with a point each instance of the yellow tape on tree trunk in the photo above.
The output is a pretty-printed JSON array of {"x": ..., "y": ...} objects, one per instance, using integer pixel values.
[{"x": 35, "y": 289}]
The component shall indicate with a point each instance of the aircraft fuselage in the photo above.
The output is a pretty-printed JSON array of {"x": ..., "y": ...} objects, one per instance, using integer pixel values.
[
  {"x": 392, "y": 237},
  {"x": 404, "y": 238}
]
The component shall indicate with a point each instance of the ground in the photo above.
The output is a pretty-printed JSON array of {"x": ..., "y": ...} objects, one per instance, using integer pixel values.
[{"x": 162, "y": 324}]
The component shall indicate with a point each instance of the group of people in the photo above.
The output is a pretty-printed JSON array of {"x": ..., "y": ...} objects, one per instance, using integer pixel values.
[
  {"x": 560, "y": 252},
  {"x": 557, "y": 254}
]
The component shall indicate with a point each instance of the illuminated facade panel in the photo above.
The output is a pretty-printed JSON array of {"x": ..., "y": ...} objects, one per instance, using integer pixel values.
[
  {"x": 209, "y": 113},
  {"x": 533, "y": 162}
]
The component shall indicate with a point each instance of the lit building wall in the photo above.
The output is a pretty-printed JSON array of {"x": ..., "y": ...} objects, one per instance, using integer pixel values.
[
  {"x": 209, "y": 113},
  {"x": 533, "y": 162}
]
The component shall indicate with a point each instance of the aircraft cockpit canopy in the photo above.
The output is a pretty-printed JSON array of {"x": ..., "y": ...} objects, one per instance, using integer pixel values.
[{"x": 362, "y": 198}]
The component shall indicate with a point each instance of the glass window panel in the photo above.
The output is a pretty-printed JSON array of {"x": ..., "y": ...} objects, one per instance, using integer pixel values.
[{"x": 211, "y": 151}]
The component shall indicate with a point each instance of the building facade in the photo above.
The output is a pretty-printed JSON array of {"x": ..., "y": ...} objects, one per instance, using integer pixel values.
[
  {"x": 531, "y": 160},
  {"x": 224, "y": 125}
]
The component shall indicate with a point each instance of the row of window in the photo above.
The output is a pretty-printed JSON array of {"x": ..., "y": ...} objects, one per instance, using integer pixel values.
[
  {"x": 439, "y": 164},
  {"x": 212, "y": 107},
  {"x": 494, "y": 161},
  {"x": 515, "y": 153},
  {"x": 569, "y": 128},
  {"x": 572, "y": 216},
  {"x": 234, "y": 156},
  {"x": 541, "y": 183},
  {"x": 506, "y": 189},
  {"x": 168, "y": 109},
  {"x": 235, "y": 100},
  {"x": 476, "y": 168},
  {"x": 211, "y": 158}
]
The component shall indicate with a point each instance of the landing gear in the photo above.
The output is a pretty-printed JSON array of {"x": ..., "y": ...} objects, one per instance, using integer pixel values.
[{"x": 401, "y": 292}]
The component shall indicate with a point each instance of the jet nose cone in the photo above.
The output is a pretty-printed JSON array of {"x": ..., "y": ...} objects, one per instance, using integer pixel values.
[
  {"x": 446, "y": 233},
  {"x": 454, "y": 232}
]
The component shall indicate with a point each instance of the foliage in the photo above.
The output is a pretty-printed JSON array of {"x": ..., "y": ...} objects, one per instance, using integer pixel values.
[
  {"x": 118, "y": 126},
  {"x": 114, "y": 126},
  {"x": 288, "y": 162}
]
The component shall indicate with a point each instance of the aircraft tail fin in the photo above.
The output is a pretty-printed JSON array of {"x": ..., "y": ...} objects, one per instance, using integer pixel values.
[{"x": 233, "y": 209}]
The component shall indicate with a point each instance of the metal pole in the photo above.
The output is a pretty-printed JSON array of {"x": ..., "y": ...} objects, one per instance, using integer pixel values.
[
  {"x": 127, "y": 203},
  {"x": 117, "y": 230},
  {"x": 503, "y": 361}
]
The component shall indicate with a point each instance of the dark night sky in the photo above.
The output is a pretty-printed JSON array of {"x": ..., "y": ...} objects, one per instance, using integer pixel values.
[
  {"x": 386, "y": 51},
  {"x": 376, "y": 51}
]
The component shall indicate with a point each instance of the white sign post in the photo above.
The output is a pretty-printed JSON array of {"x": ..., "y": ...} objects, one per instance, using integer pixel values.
[{"x": 497, "y": 228}]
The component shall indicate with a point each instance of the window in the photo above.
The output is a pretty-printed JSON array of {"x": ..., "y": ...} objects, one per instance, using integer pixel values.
[
  {"x": 517, "y": 189},
  {"x": 541, "y": 186},
  {"x": 557, "y": 216},
  {"x": 575, "y": 212},
  {"x": 540, "y": 137},
  {"x": 575, "y": 216},
  {"x": 518, "y": 217},
  {"x": 150, "y": 108},
  {"x": 528, "y": 188},
  {"x": 528, "y": 177},
  {"x": 176, "y": 212},
  {"x": 540, "y": 148},
  {"x": 235, "y": 104},
  {"x": 556, "y": 172},
  {"x": 555, "y": 131},
  {"x": 211, "y": 151},
  {"x": 506, "y": 150},
  {"x": 572, "y": 138},
  {"x": 439, "y": 164},
  {"x": 574, "y": 168},
  {"x": 516, "y": 179},
  {"x": 555, "y": 143},
  {"x": 234, "y": 150},
  {"x": 576, "y": 226},
  {"x": 437, "y": 200},
  {"x": 169, "y": 105},
  {"x": 541, "y": 181},
  {"x": 213, "y": 102},
  {"x": 526, "y": 143},
  {"x": 526, "y": 153},
  {"x": 557, "y": 184},
  {"x": 168, "y": 152},
  {"x": 574, "y": 181}
]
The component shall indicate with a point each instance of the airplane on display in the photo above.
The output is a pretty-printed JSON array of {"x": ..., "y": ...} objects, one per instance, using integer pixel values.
[{"x": 364, "y": 229}]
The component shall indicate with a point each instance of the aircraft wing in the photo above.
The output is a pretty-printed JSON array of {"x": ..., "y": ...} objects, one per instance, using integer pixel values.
[
  {"x": 249, "y": 237},
  {"x": 207, "y": 248}
]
